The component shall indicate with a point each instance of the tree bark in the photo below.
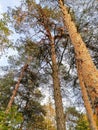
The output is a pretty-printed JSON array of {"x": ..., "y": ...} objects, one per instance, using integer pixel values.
[
  {"x": 89, "y": 112},
  {"x": 89, "y": 72},
  {"x": 60, "y": 120},
  {"x": 16, "y": 88},
  {"x": 57, "y": 92}
]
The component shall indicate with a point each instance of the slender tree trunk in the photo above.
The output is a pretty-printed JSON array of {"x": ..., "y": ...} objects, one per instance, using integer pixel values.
[
  {"x": 89, "y": 72},
  {"x": 89, "y": 112},
  {"x": 57, "y": 92},
  {"x": 60, "y": 120},
  {"x": 16, "y": 88}
]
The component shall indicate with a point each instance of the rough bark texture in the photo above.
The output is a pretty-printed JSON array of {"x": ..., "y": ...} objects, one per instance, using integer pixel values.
[
  {"x": 55, "y": 75},
  {"x": 16, "y": 88},
  {"x": 89, "y": 112},
  {"x": 56, "y": 85},
  {"x": 88, "y": 69},
  {"x": 57, "y": 92}
]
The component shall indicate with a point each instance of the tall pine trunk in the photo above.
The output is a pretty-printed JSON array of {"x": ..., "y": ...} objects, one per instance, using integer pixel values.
[
  {"x": 60, "y": 119},
  {"x": 89, "y": 73},
  {"x": 89, "y": 112},
  {"x": 57, "y": 92}
]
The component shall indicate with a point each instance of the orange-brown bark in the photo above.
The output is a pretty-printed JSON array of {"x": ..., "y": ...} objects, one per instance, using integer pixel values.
[
  {"x": 89, "y": 112},
  {"x": 88, "y": 69},
  {"x": 57, "y": 92},
  {"x": 89, "y": 73},
  {"x": 16, "y": 88},
  {"x": 55, "y": 75}
]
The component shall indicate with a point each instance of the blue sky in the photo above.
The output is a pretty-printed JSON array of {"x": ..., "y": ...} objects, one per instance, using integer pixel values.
[
  {"x": 11, "y": 3},
  {"x": 5, "y": 3}
]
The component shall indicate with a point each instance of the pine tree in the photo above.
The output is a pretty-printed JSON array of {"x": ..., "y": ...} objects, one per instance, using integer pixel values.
[{"x": 84, "y": 61}]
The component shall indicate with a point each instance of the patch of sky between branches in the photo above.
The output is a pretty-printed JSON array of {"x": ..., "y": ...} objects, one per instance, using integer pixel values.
[{"x": 3, "y": 8}]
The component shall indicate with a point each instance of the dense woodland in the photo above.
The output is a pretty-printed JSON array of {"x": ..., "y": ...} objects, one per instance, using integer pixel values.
[{"x": 51, "y": 79}]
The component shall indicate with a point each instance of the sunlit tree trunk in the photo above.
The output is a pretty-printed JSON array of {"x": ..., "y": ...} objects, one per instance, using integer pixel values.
[
  {"x": 89, "y": 112},
  {"x": 88, "y": 70},
  {"x": 60, "y": 120},
  {"x": 16, "y": 88},
  {"x": 56, "y": 85},
  {"x": 57, "y": 92}
]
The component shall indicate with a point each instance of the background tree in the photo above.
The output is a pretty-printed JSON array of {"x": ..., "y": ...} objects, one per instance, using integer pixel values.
[
  {"x": 82, "y": 123},
  {"x": 28, "y": 100},
  {"x": 43, "y": 20}
]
